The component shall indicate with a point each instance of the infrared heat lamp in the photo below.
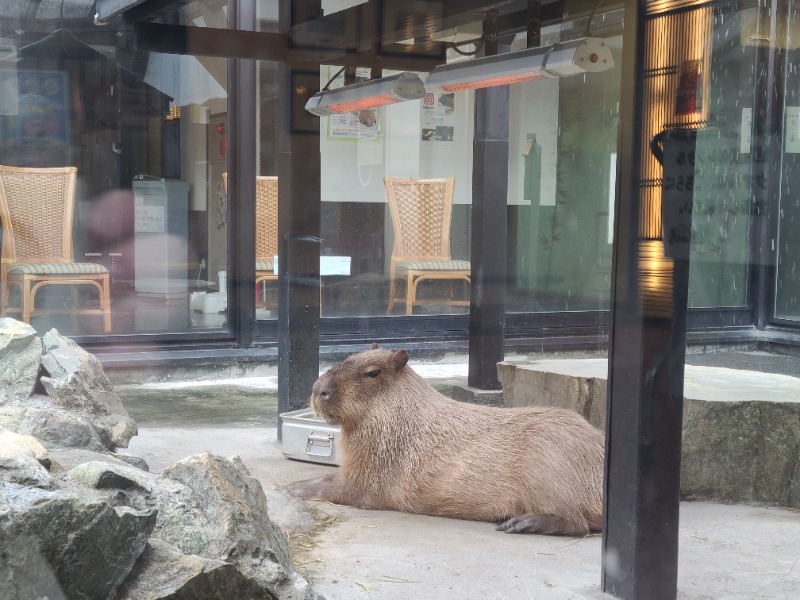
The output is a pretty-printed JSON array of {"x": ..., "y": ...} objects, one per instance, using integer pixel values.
[
  {"x": 367, "y": 94},
  {"x": 585, "y": 55}
]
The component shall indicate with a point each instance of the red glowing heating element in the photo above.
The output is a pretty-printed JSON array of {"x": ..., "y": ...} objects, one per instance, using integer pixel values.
[
  {"x": 369, "y": 102},
  {"x": 492, "y": 81},
  {"x": 367, "y": 94}
]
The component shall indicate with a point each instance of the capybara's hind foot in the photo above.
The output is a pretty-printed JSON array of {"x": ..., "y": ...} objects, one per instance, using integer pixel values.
[{"x": 544, "y": 524}]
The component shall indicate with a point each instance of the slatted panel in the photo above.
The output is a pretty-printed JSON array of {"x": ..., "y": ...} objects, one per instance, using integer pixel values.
[
  {"x": 661, "y": 6},
  {"x": 676, "y": 94}
]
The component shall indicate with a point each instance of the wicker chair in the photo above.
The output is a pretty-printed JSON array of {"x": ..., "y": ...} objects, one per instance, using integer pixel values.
[
  {"x": 421, "y": 210},
  {"x": 266, "y": 227},
  {"x": 36, "y": 211}
]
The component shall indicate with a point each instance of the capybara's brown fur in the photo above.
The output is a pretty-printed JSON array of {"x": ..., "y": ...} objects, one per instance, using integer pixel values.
[{"x": 404, "y": 446}]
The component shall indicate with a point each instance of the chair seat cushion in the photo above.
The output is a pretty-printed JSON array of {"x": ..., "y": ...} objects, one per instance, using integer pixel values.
[
  {"x": 57, "y": 269},
  {"x": 433, "y": 265},
  {"x": 264, "y": 265}
]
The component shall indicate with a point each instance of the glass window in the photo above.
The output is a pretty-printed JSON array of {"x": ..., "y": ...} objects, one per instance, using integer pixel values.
[
  {"x": 146, "y": 132},
  {"x": 417, "y": 141},
  {"x": 721, "y": 219},
  {"x": 561, "y": 190},
  {"x": 787, "y": 240},
  {"x": 557, "y": 184}
]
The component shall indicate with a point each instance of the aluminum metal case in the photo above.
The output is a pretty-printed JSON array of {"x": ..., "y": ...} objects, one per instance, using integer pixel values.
[{"x": 305, "y": 436}]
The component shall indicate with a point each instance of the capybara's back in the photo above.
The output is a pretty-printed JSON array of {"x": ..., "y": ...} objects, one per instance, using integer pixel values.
[{"x": 405, "y": 446}]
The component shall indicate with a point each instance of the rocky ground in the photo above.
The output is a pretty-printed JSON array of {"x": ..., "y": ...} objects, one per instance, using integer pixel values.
[{"x": 82, "y": 518}]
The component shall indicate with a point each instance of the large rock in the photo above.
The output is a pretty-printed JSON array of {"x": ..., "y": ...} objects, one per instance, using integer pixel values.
[
  {"x": 80, "y": 408},
  {"x": 88, "y": 547},
  {"x": 163, "y": 572},
  {"x": 213, "y": 507},
  {"x": 213, "y": 537},
  {"x": 20, "y": 360},
  {"x": 76, "y": 381},
  {"x": 12, "y": 443},
  {"x": 23, "y": 460},
  {"x": 65, "y": 459},
  {"x": 53, "y": 426},
  {"x": 104, "y": 475}
]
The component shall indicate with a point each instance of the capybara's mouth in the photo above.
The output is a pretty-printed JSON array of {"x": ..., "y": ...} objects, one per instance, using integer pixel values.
[{"x": 323, "y": 411}]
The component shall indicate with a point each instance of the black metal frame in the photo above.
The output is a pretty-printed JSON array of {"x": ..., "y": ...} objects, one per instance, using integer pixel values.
[
  {"x": 767, "y": 121},
  {"x": 242, "y": 170}
]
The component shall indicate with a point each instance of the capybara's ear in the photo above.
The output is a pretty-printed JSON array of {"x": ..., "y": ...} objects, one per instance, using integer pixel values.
[
  {"x": 399, "y": 359},
  {"x": 374, "y": 345}
]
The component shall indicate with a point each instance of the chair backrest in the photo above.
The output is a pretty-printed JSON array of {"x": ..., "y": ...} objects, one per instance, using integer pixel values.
[
  {"x": 36, "y": 210},
  {"x": 266, "y": 218},
  {"x": 420, "y": 210}
]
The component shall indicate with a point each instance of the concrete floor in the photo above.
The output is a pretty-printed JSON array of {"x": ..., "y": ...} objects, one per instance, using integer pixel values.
[{"x": 726, "y": 552}]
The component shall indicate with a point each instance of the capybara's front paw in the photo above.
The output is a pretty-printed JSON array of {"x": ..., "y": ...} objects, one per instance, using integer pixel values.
[
  {"x": 312, "y": 488},
  {"x": 544, "y": 524}
]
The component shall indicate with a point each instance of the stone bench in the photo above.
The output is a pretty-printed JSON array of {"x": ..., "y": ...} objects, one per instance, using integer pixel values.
[{"x": 741, "y": 429}]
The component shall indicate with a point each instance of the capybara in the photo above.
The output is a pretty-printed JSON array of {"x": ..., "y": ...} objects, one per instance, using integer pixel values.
[{"x": 404, "y": 446}]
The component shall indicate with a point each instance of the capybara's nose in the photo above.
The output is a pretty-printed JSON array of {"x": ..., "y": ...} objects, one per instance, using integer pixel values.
[{"x": 322, "y": 389}]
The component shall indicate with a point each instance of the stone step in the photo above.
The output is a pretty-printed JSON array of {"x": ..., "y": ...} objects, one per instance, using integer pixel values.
[{"x": 741, "y": 429}]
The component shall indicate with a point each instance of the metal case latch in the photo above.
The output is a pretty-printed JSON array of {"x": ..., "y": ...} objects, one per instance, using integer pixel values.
[{"x": 319, "y": 444}]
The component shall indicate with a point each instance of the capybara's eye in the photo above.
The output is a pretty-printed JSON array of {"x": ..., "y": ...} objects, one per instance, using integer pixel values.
[{"x": 373, "y": 373}]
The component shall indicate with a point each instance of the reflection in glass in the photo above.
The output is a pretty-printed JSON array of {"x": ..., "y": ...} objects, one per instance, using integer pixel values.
[{"x": 146, "y": 133}]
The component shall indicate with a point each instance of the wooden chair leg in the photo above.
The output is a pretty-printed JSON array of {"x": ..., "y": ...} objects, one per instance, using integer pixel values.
[
  {"x": 105, "y": 304},
  {"x": 411, "y": 292},
  {"x": 392, "y": 290},
  {"x": 391, "y": 298},
  {"x": 26, "y": 300},
  {"x": 4, "y": 296},
  {"x": 73, "y": 313}
]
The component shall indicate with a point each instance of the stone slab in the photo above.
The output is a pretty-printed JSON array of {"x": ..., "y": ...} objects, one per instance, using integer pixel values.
[{"x": 741, "y": 429}]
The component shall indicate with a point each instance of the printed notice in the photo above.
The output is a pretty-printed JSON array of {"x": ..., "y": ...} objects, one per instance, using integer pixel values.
[
  {"x": 148, "y": 218},
  {"x": 358, "y": 125},
  {"x": 438, "y": 117}
]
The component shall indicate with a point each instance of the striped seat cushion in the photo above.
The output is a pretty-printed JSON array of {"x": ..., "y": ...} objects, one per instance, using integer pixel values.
[
  {"x": 57, "y": 269},
  {"x": 433, "y": 265},
  {"x": 264, "y": 265}
]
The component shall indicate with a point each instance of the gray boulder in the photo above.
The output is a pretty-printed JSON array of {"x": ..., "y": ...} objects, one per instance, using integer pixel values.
[
  {"x": 53, "y": 426},
  {"x": 213, "y": 537},
  {"x": 103, "y": 476},
  {"x": 20, "y": 357},
  {"x": 24, "y": 470},
  {"x": 80, "y": 408},
  {"x": 163, "y": 572},
  {"x": 23, "y": 460},
  {"x": 89, "y": 547},
  {"x": 12, "y": 443},
  {"x": 76, "y": 381},
  {"x": 213, "y": 507},
  {"x": 65, "y": 459}
]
